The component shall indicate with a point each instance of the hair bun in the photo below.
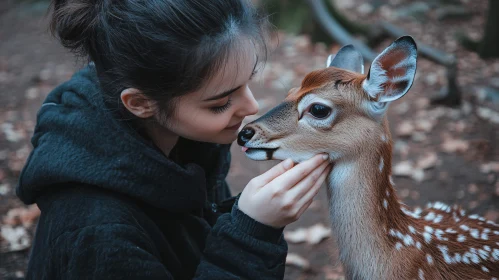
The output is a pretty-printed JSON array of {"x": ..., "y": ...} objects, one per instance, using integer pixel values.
[{"x": 74, "y": 22}]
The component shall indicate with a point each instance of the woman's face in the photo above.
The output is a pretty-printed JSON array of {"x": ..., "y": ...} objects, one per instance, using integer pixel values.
[{"x": 214, "y": 113}]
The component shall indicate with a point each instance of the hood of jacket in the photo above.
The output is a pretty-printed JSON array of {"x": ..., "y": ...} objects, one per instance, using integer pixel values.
[{"x": 78, "y": 139}]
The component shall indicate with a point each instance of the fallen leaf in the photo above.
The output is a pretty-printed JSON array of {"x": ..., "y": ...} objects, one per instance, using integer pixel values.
[
  {"x": 424, "y": 125},
  {"x": 22, "y": 215},
  {"x": 454, "y": 145},
  {"x": 297, "y": 261},
  {"x": 312, "y": 235},
  {"x": 16, "y": 237},
  {"x": 403, "y": 168},
  {"x": 492, "y": 166},
  {"x": 472, "y": 188},
  {"x": 405, "y": 128},
  {"x": 407, "y": 169},
  {"x": 429, "y": 160},
  {"x": 4, "y": 189},
  {"x": 418, "y": 175}
]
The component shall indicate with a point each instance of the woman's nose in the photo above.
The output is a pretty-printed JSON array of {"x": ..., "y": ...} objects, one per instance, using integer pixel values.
[
  {"x": 245, "y": 135},
  {"x": 250, "y": 106}
]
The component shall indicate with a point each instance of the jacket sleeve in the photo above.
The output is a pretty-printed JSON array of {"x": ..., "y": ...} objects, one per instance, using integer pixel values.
[{"x": 239, "y": 247}]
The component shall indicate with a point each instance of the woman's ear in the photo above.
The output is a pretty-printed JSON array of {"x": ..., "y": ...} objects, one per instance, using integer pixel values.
[{"x": 137, "y": 103}]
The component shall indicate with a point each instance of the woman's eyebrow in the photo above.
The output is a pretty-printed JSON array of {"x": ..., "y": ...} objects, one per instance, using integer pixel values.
[
  {"x": 228, "y": 92},
  {"x": 223, "y": 94}
]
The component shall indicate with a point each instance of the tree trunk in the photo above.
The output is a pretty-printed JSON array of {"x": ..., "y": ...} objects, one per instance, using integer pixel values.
[{"x": 489, "y": 46}]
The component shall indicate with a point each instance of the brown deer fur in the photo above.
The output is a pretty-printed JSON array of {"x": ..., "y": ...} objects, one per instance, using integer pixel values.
[{"x": 379, "y": 237}]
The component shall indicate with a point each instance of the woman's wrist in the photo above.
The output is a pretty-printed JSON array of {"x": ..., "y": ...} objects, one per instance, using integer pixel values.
[{"x": 254, "y": 228}]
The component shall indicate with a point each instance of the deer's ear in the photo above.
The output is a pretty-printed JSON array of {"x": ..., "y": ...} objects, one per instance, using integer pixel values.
[
  {"x": 392, "y": 72},
  {"x": 347, "y": 58}
]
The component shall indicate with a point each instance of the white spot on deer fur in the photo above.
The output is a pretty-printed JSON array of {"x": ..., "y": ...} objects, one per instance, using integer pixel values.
[
  {"x": 474, "y": 233},
  {"x": 383, "y": 137},
  {"x": 492, "y": 223},
  {"x": 445, "y": 254},
  {"x": 483, "y": 254},
  {"x": 464, "y": 227},
  {"x": 438, "y": 234},
  {"x": 496, "y": 232},
  {"x": 398, "y": 246},
  {"x": 391, "y": 180},
  {"x": 484, "y": 236},
  {"x": 438, "y": 219},
  {"x": 412, "y": 229},
  {"x": 466, "y": 260},
  {"x": 475, "y": 258},
  {"x": 429, "y": 258},
  {"x": 457, "y": 257},
  {"x": 495, "y": 254},
  {"x": 427, "y": 237},
  {"x": 428, "y": 229},
  {"x": 421, "y": 274},
  {"x": 385, "y": 203},
  {"x": 487, "y": 248},
  {"x": 418, "y": 245},
  {"x": 461, "y": 238},
  {"x": 414, "y": 214},
  {"x": 430, "y": 216},
  {"x": 381, "y": 164},
  {"x": 474, "y": 216},
  {"x": 484, "y": 269},
  {"x": 408, "y": 240},
  {"x": 450, "y": 230},
  {"x": 387, "y": 193},
  {"x": 440, "y": 206},
  {"x": 462, "y": 212}
]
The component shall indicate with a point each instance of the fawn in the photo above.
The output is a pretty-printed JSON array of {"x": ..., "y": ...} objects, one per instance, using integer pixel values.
[{"x": 341, "y": 112}]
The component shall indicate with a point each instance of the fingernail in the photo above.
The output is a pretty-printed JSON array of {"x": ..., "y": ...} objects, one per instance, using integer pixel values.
[
  {"x": 287, "y": 164},
  {"x": 325, "y": 156}
]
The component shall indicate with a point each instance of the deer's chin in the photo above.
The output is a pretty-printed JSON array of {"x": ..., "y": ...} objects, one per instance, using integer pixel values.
[{"x": 260, "y": 153}]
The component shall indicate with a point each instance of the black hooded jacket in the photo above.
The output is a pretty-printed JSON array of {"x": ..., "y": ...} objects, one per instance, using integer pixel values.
[{"x": 114, "y": 207}]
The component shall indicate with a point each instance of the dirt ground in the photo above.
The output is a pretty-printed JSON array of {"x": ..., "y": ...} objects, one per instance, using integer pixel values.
[{"x": 441, "y": 154}]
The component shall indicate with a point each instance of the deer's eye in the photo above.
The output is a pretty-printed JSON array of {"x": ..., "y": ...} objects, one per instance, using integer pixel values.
[{"x": 319, "y": 111}]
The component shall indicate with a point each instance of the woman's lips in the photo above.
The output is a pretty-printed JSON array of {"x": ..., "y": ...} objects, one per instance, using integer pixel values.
[
  {"x": 235, "y": 127},
  {"x": 244, "y": 149}
]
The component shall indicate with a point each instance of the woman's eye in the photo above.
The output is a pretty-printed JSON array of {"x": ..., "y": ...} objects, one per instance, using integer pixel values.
[
  {"x": 223, "y": 108},
  {"x": 319, "y": 111}
]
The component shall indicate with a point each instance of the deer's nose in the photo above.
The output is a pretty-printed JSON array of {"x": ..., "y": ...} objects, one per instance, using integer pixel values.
[{"x": 245, "y": 135}]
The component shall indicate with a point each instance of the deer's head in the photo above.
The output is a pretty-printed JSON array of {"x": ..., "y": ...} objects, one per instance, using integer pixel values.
[{"x": 338, "y": 110}]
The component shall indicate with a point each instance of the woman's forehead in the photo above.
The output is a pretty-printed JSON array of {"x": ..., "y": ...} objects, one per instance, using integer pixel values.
[{"x": 235, "y": 71}]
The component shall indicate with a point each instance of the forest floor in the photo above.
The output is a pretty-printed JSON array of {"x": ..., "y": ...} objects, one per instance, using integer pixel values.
[{"x": 440, "y": 154}]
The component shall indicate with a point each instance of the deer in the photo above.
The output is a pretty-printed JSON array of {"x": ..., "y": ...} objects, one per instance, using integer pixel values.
[{"x": 341, "y": 111}]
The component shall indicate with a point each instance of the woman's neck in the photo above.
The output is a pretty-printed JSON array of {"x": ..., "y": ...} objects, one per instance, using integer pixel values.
[{"x": 163, "y": 138}]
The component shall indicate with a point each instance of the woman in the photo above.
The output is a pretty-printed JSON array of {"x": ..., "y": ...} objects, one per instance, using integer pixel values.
[{"x": 131, "y": 154}]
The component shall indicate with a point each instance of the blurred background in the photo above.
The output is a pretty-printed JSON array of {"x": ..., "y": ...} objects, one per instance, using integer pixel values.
[{"x": 445, "y": 130}]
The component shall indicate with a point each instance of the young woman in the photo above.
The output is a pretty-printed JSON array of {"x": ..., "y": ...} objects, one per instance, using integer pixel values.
[{"x": 131, "y": 154}]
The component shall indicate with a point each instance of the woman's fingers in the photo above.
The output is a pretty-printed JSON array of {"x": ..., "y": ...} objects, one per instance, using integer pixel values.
[
  {"x": 296, "y": 174},
  {"x": 305, "y": 201},
  {"x": 274, "y": 172},
  {"x": 303, "y": 187}
]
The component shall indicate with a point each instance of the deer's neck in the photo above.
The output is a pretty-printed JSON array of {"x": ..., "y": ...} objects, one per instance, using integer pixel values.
[{"x": 362, "y": 206}]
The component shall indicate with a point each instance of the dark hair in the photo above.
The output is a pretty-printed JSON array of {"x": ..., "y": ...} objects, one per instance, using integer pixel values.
[{"x": 165, "y": 48}]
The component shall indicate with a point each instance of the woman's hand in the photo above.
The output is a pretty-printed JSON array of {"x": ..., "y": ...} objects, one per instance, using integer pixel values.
[{"x": 279, "y": 196}]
